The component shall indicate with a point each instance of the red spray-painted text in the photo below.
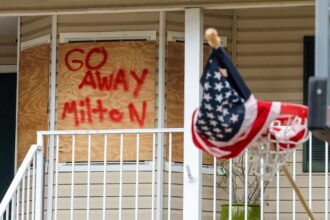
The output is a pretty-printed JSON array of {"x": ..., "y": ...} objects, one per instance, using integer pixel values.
[{"x": 86, "y": 110}]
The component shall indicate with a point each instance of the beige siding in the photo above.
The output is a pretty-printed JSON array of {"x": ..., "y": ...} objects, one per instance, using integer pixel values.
[
  {"x": 8, "y": 50},
  {"x": 108, "y": 22},
  {"x": 35, "y": 27},
  {"x": 270, "y": 51}
]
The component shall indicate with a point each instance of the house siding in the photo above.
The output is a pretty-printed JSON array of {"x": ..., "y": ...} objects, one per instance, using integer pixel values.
[{"x": 8, "y": 50}]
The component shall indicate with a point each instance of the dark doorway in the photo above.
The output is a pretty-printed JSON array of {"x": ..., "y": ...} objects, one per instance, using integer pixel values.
[{"x": 7, "y": 130}]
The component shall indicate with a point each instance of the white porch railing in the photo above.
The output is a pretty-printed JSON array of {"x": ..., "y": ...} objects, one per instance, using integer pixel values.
[
  {"x": 84, "y": 188},
  {"x": 128, "y": 189},
  {"x": 24, "y": 199}
]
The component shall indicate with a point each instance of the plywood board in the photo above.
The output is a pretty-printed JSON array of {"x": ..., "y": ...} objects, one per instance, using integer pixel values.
[
  {"x": 106, "y": 86},
  {"x": 175, "y": 97},
  {"x": 33, "y": 96}
]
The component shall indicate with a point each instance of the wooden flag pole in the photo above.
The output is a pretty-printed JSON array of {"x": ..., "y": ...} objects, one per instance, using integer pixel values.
[
  {"x": 298, "y": 192},
  {"x": 214, "y": 41}
]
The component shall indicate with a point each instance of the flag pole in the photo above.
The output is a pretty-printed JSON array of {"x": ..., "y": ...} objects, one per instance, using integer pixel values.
[
  {"x": 214, "y": 41},
  {"x": 298, "y": 192}
]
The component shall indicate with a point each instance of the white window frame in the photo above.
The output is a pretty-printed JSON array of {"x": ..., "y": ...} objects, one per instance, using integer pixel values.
[
  {"x": 102, "y": 36},
  {"x": 35, "y": 42}
]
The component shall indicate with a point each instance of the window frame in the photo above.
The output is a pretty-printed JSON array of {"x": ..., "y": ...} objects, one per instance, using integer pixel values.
[{"x": 318, "y": 166}]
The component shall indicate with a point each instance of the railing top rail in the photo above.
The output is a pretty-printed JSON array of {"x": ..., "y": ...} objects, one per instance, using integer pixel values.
[
  {"x": 17, "y": 179},
  {"x": 112, "y": 131}
]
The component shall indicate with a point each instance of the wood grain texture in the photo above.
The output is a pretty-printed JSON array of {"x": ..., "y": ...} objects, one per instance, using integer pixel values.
[
  {"x": 33, "y": 96},
  {"x": 125, "y": 56},
  {"x": 175, "y": 97}
]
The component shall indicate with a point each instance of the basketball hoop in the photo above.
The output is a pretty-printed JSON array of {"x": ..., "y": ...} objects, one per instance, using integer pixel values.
[{"x": 275, "y": 146}]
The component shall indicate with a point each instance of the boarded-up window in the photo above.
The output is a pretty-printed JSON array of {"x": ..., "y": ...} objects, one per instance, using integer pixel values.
[
  {"x": 33, "y": 97},
  {"x": 106, "y": 86},
  {"x": 175, "y": 97}
]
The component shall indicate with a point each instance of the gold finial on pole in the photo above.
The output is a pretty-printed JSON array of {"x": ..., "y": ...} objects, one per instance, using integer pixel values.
[{"x": 212, "y": 37}]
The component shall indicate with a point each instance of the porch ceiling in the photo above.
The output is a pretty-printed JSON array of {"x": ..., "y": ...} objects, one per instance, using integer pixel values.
[{"x": 12, "y": 7}]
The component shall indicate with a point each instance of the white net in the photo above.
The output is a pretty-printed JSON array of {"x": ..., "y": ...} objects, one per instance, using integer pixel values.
[
  {"x": 276, "y": 146},
  {"x": 272, "y": 159}
]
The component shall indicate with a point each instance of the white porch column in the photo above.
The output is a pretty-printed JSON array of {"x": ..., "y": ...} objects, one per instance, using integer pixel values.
[
  {"x": 52, "y": 117},
  {"x": 192, "y": 201}
]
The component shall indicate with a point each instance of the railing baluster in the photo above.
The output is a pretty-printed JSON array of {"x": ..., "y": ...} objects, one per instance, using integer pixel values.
[
  {"x": 7, "y": 212},
  {"x": 169, "y": 178},
  {"x": 121, "y": 175},
  {"x": 28, "y": 194},
  {"x": 293, "y": 192},
  {"x": 310, "y": 180},
  {"x": 50, "y": 192},
  {"x": 214, "y": 188},
  {"x": 261, "y": 189},
  {"x": 105, "y": 173},
  {"x": 137, "y": 175},
  {"x": 153, "y": 176},
  {"x": 89, "y": 174},
  {"x": 13, "y": 207},
  {"x": 230, "y": 188},
  {"x": 18, "y": 200},
  {"x": 40, "y": 178},
  {"x": 33, "y": 185},
  {"x": 23, "y": 197},
  {"x": 278, "y": 192},
  {"x": 326, "y": 180},
  {"x": 56, "y": 174},
  {"x": 246, "y": 181},
  {"x": 72, "y": 175}
]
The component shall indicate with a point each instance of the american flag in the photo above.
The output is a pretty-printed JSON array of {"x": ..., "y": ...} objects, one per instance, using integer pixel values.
[
  {"x": 229, "y": 118},
  {"x": 222, "y": 110}
]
